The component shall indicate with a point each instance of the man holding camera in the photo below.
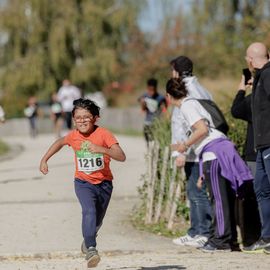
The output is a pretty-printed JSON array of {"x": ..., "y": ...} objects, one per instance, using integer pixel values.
[
  {"x": 247, "y": 214},
  {"x": 258, "y": 63}
]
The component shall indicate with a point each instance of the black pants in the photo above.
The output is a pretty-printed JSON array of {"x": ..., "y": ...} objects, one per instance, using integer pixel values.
[
  {"x": 247, "y": 214},
  {"x": 68, "y": 119},
  {"x": 223, "y": 234}
]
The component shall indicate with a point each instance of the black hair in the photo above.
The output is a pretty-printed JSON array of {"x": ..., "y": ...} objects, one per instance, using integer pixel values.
[
  {"x": 86, "y": 104},
  {"x": 176, "y": 88},
  {"x": 183, "y": 65},
  {"x": 152, "y": 82}
]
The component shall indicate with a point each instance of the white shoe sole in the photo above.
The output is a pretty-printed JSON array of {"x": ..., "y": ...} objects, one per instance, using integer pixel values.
[
  {"x": 83, "y": 248},
  {"x": 93, "y": 261},
  {"x": 216, "y": 250},
  {"x": 192, "y": 244},
  {"x": 179, "y": 244}
]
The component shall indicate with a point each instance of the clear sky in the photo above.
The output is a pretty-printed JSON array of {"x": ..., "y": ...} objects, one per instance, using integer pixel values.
[{"x": 151, "y": 18}]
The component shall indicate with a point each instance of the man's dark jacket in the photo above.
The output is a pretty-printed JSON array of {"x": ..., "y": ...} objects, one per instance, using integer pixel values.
[
  {"x": 241, "y": 109},
  {"x": 261, "y": 107}
]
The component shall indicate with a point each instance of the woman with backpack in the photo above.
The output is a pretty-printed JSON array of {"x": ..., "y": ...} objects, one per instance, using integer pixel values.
[{"x": 221, "y": 167}]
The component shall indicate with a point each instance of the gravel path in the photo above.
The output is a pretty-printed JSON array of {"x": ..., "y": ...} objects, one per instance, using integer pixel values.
[{"x": 40, "y": 219}]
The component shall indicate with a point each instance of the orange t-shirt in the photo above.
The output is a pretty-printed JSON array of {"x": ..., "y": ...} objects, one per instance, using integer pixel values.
[{"x": 91, "y": 167}]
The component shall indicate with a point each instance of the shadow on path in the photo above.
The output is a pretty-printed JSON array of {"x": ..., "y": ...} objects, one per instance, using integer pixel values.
[{"x": 164, "y": 267}]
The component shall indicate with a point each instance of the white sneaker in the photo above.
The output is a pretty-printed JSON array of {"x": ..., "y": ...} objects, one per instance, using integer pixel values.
[
  {"x": 198, "y": 241},
  {"x": 181, "y": 241}
]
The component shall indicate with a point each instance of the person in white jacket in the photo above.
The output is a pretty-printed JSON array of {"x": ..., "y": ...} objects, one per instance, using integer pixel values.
[
  {"x": 200, "y": 210},
  {"x": 2, "y": 115},
  {"x": 66, "y": 95}
]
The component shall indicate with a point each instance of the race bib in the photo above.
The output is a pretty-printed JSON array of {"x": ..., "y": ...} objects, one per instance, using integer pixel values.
[
  {"x": 29, "y": 111},
  {"x": 56, "y": 108},
  {"x": 151, "y": 104},
  {"x": 88, "y": 162}
]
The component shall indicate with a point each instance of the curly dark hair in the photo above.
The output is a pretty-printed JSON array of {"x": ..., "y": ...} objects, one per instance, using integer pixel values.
[
  {"x": 176, "y": 88},
  {"x": 86, "y": 104}
]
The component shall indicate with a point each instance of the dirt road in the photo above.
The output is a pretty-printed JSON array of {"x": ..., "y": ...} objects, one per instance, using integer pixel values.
[{"x": 40, "y": 219}]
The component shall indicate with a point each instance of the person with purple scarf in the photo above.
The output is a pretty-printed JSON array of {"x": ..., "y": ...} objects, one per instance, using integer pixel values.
[{"x": 221, "y": 167}]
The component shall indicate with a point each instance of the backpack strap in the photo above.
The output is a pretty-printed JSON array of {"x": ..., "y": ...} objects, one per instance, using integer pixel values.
[{"x": 206, "y": 120}]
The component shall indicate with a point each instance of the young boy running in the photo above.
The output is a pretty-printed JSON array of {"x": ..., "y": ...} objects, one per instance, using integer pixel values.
[{"x": 94, "y": 147}]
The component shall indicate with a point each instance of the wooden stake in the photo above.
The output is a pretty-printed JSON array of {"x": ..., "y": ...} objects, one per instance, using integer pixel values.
[
  {"x": 175, "y": 200},
  {"x": 171, "y": 192},
  {"x": 149, "y": 179},
  {"x": 153, "y": 181},
  {"x": 162, "y": 183}
]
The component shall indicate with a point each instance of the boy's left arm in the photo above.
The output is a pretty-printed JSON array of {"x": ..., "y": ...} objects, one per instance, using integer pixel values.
[{"x": 115, "y": 151}]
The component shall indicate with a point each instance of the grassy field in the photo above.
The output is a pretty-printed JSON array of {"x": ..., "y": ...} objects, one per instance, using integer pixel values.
[
  {"x": 223, "y": 90},
  {"x": 3, "y": 148},
  {"x": 127, "y": 132}
]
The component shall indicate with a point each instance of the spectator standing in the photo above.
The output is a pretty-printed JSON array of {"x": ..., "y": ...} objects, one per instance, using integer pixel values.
[
  {"x": 258, "y": 63},
  {"x": 200, "y": 210},
  {"x": 2, "y": 115},
  {"x": 248, "y": 217},
  {"x": 220, "y": 165},
  {"x": 66, "y": 95}
]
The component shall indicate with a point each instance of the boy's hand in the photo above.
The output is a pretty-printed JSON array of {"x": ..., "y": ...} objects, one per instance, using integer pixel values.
[
  {"x": 43, "y": 167},
  {"x": 96, "y": 148}
]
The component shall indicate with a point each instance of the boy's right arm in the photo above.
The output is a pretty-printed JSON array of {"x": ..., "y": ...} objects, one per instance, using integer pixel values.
[{"x": 55, "y": 147}]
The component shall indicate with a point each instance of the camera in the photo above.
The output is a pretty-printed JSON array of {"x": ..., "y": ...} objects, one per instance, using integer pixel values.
[{"x": 247, "y": 74}]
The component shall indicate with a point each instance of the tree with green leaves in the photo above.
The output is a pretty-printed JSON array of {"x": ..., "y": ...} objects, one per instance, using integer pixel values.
[{"x": 45, "y": 41}]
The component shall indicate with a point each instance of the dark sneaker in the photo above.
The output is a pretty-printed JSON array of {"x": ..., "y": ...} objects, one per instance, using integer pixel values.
[
  {"x": 235, "y": 247},
  {"x": 267, "y": 250},
  {"x": 92, "y": 257},
  {"x": 257, "y": 247},
  {"x": 209, "y": 248},
  {"x": 84, "y": 248}
]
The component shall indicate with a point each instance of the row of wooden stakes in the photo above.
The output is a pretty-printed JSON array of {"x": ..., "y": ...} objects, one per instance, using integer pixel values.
[{"x": 156, "y": 206}]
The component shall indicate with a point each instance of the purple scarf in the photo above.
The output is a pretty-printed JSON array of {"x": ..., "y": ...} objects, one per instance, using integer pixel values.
[{"x": 233, "y": 168}]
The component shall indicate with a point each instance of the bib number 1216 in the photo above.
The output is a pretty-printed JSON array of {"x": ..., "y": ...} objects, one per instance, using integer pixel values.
[{"x": 90, "y": 164}]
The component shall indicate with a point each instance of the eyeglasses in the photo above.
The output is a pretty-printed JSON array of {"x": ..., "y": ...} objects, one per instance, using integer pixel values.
[{"x": 83, "y": 119}]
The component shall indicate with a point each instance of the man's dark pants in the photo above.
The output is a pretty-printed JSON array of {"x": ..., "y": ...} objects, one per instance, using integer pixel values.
[{"x": 262, "y": 190}]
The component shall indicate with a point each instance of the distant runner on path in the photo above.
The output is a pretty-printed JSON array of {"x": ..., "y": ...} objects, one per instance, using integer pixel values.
[
  {"x": 94, "y": 147},
  {"x": 152, "y": 104},
  {"x": 66, "y": 95}
]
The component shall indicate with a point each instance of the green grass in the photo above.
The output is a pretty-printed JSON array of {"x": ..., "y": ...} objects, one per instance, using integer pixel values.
[
  {"x": 179, "y": 229},
  {"x": 3, "y": 148},
  {"x": 128, "y": 132}
]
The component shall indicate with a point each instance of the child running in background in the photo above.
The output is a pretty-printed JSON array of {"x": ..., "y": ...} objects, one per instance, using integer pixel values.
[
  {"x": 94, "y": 146},
  {"x": 32, "y": 112}
]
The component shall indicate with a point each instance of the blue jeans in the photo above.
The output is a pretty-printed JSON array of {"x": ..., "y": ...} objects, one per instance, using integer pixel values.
[
  {"x": 94, "y": 200},
  {"x": 262, "y": 189},
  {"x": 200, "y": 209}
]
